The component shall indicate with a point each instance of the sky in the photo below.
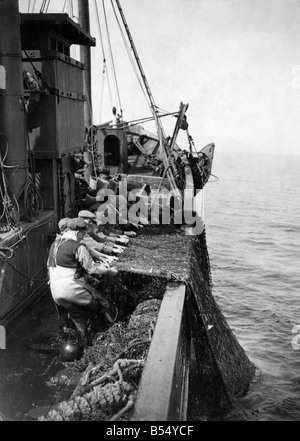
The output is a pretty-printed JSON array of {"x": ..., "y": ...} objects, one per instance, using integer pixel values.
[{"x": 235, "y": 62}]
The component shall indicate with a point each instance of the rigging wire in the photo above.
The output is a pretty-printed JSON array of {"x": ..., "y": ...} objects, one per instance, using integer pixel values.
[
  {"x": 33, "y": 202},
  {"x": 37, "y": 72},
  {"x": 102, "y": 93},
  {"x": 32, "y": 279},
  {"x": 71, "y": 8},
  {"x": 142, "y": 73},
  {"x": 130, "y": 56},
  {"x": 135, "y": 122},
  {"x": 44, "y": 6},
  {"x": 63, "y": 10},
  {"x": 104, "y": 69},
  {"x": 47, "y": 6},
  {"x": 6, "y": 149},
  {"x": 10, "y": 211},
  {"x": 167, "y": 112},
  {"x": 159, "y": 127},
  {"x": 10, "y": 248},
  {"x": 215, "y": 180},
  {"x": 112, "y": 58}
]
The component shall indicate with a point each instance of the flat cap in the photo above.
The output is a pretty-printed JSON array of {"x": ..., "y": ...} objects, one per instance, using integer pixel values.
[
  {"x": 85, "y": 214},
  {"x": 62, "y": 224},
  {"x": 76, "y": 224}
]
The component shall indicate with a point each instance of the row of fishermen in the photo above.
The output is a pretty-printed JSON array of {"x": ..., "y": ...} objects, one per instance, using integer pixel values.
[{"x": 83, "y": 248}]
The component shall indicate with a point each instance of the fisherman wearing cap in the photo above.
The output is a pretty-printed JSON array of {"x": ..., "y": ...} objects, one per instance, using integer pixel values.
[
  {"x": 67, "y": 258},
  {"x": 99, "y": 232},
  {"x": 96, "y": 241}
]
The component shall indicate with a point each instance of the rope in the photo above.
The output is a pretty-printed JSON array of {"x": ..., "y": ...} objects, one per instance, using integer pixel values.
[
  {"x": 37, "y": 72},
  {"x": 24, "y": 275},
  {"x": 44, "y": 6},
  {"x": 103, "y": 65},
  {"x": 102, "y": 91},
  {"x": 33, "y": 202},
  {"x": 10, "y": 212},
  {"x": 6, "y": 149},
  {"x": 131, "y": 59},
  {"x": 47, "y": 6},
  {"x": 192, "y": 147},
  {"x": 213, "y": 354},
  {"x": 71, "y": 8},
  {"x": 217, "y": 178},
  {"x": 7, "y": 250},
  {"x": 111, "y": 58}
]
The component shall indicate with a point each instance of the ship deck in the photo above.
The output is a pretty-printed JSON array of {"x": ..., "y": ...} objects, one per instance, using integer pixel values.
[{"x": 146, "y": 269}]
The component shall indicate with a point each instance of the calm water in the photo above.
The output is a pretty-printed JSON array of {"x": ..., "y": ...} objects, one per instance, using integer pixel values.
[{"x": 252, "y": 216}]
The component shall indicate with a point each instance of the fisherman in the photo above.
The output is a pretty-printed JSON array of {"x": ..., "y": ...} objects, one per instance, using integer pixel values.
[
  {"x": 68, "y": 262},
  {"x": 105, "y": 253},
  {"x": 100, "y": 232},
  {"x": 95, "y": 238}
]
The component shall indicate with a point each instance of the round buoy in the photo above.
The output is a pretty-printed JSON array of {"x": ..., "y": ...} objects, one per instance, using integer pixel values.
[{"x": 70, "y": 351}]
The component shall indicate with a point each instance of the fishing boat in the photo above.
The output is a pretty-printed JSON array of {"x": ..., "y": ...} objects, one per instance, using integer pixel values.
[{"x": 58, "y": 162}]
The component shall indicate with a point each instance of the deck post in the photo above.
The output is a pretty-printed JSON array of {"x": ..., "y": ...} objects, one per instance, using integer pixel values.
[{"x": 163, "y": 391}]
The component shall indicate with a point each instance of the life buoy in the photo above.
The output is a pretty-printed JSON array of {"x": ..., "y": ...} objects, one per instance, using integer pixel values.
[{"x": 30, "y": 84}]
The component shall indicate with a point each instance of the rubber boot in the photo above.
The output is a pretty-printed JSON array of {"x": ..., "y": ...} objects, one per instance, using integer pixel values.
[
  {"x": 83, "y": 334},
  {"x": 67, "y": 324}
]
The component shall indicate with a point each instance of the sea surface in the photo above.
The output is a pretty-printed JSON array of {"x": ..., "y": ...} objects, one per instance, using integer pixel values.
[{"x": 252, "y": 217}]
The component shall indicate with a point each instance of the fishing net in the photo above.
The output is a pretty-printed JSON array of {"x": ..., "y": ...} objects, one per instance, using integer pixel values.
[{"x": 223, "y": 368}]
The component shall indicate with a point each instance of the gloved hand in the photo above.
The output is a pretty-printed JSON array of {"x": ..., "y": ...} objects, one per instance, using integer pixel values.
[
  {"x": 103, "y": 263},
  {"x": 123, "y": 241},
  {"x": 111, "y": 259},
  {"x": 118, "y": 249},
  {"x": 113, "y": 271},
  {"x": 143, "y": 221},
  {"x": 130, "y": 234}
]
